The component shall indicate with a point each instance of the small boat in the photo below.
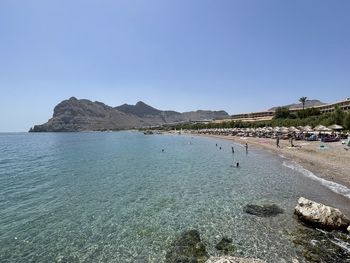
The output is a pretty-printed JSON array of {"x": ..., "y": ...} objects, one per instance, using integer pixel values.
[{"x": 148, "y": 132}]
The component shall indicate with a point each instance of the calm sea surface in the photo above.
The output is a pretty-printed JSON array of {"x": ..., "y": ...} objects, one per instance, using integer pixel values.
[{"x": 116, "y": 197}]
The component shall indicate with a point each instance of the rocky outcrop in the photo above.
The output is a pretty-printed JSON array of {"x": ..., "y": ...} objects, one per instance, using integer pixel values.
[
  {"x": 266, "y": 210},
  {"x": 320, "y": 215},
  {"x": 84, "y": 115},
  {"x": 187, "y": 248},
  {"x": 227, "y": 259}
]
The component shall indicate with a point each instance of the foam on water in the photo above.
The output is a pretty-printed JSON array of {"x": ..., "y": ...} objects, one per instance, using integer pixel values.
[{"x": 335, "y": 187}]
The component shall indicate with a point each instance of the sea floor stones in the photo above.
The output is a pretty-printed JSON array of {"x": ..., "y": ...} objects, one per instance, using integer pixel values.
[
  {"x": 225, "y": 245},
  {"x": 316, "y": 245},
  {"x": 227, "y": 259},
  {"x": 187, "y": 248},
  {"x": 266, "y": 210}
]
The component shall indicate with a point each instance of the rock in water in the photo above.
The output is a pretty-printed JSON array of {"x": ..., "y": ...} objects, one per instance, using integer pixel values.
[
  {"x": 263, "y": 210},
  {"x": 316, "y": 245},
  {"x": 225, "y": 245},
  {"x": 320, "y": 215},
  {"x": 187, "y": 248},
  {"x": 233, "y": 260}
]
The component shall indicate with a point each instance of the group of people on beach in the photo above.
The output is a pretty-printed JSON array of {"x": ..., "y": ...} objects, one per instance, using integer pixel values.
[{"x": 291, "y": 139}]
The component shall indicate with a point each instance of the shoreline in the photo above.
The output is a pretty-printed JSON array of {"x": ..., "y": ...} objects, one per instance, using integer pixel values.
[{"x": 331, "y": 163}]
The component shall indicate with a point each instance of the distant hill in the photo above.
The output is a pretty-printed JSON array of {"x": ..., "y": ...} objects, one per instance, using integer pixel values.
[
  {"x": 85, "y": 115},
  {"x": 308, "y": 104}
]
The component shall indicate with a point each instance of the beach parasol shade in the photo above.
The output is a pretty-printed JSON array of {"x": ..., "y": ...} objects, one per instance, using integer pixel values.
[
  {"x": 284, "y": 130},
  {"x": 321, "y": 128},
  {"x": 307, "y": 129},
  {"x": 335, "y": 127},
  {"x": 292, "y": 129}
]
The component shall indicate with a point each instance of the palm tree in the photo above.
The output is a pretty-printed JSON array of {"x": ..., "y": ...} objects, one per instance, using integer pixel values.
[{"x": 303, "y": 100}]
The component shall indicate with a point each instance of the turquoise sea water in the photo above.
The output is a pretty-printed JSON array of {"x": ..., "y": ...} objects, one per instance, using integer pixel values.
[{"x": 116, "y": 197}]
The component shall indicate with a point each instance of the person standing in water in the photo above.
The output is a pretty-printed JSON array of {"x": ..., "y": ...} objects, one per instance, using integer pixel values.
[
  {"x": 246, "y": 147},
  {"x": 233, "y": 150},
  {"x": 278, "y": 142}
]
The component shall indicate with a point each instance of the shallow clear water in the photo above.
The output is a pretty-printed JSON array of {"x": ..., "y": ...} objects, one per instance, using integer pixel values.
[{"x": 116, "y": 197}]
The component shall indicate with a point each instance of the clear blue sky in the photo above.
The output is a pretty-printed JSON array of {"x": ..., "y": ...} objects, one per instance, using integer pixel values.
[{"x": 235, "y": 55}]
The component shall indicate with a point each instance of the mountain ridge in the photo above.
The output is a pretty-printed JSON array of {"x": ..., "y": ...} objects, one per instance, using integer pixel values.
[{"x": 84, "y": 115}]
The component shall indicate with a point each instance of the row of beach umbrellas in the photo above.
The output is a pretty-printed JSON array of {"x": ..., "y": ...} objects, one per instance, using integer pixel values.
[{"x": 292, "y": 129}]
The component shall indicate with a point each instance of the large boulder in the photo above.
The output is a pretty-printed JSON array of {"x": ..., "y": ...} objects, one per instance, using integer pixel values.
[
  {"x": 187, "y": 248},
  {"x": 267, "y": 210},
  {"x": 320, "y": 215},
  {"x": 227, "y": 259}
]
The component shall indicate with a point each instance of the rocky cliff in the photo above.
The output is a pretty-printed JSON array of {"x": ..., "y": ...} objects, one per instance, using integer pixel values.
[{"x": 85, "y": 115}]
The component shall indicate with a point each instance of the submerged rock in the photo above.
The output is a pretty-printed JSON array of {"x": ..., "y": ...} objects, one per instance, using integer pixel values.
[
  {"x": 320, "y": 215},
  {"x": 227, "y": 259},
  {"x": 187, "y": 248},
  {"x": 316, "y": 245},
  {"x": 225, "y": 245},
  {"x": 263, "y": 210}
]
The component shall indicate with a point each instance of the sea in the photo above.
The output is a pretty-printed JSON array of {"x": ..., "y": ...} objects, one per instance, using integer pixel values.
[{"x": 126, "y": 196}]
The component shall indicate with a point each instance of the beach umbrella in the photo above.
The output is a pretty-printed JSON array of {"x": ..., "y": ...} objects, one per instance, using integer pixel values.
[
  {"x": 307, "y": 129},
  {"x": 284, "y": 130},
  {"x": 335, "y": 127},
  {"x": 291, "y": 129},
  {"x": 321, "y": 128}
]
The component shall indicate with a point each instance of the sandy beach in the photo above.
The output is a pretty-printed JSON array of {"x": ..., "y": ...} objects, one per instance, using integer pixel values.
[{"x": 331, "y": 162}]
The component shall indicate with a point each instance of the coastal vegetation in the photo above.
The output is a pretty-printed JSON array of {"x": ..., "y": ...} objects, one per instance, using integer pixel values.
[
  {"x": 283, "y": 117},
  {"x": 303, "y": 100}
]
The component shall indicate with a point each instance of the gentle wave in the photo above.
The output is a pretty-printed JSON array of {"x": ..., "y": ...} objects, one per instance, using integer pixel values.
[{"x": 335, "y": 187}]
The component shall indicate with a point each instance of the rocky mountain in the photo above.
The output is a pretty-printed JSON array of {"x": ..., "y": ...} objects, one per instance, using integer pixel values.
[
  {"x": 308, "y": 104},
  {"x": 85, "y": 115},
  {"x": 151, "y": 115}
]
